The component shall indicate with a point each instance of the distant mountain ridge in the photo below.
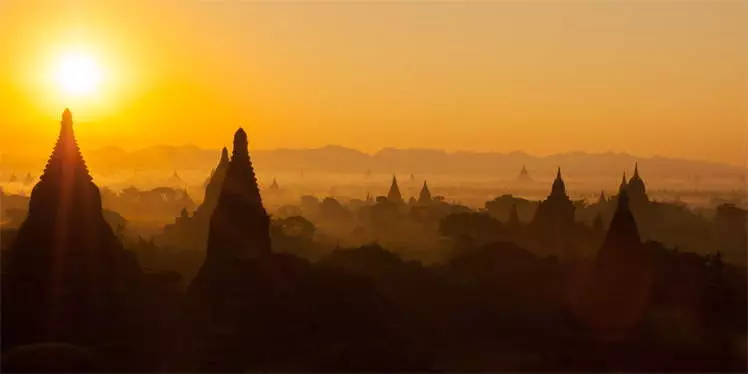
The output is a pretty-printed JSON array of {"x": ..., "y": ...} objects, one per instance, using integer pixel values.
[{"x": 337, "y": 159}]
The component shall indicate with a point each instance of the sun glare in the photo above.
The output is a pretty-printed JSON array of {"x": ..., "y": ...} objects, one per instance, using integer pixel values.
[{"x": 78, "y": 74}]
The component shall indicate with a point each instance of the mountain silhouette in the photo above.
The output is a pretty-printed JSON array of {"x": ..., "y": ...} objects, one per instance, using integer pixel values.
[{"x": 339, "y": 159}]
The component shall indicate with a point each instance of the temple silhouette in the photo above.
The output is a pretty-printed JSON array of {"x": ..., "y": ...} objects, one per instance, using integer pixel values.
[
  {"x": 424, "y": 197},
  {"x": 622, "y": 279},
  {"x": 226, "y": 285},
  {"x": 394, "y": 196},
  {"x": 67, "y": 277},
  {"x": 524, "y": 176},
  {"x": 554, "y": 218},
  {"x": 363, "y": 285},
  {"x": 274, "y": 188}
]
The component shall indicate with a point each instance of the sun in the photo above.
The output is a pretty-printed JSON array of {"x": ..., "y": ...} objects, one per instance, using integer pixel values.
[{"x": 78, "y": 74}]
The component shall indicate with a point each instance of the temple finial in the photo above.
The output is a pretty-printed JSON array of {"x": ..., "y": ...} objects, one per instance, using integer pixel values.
[{"x": 67, "y": 116}]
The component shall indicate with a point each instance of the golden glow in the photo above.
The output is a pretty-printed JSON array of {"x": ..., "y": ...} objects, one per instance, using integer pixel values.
[
  {"x": 538, "y": 76},
  {"x": 78, "y": 74}
]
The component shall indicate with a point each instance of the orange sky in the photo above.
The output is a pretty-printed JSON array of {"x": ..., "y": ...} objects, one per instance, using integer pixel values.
[{"x": 644, "y": 77}]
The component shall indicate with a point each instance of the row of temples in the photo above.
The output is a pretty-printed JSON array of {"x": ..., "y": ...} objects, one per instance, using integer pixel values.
[{"x": 68, "y": 279}]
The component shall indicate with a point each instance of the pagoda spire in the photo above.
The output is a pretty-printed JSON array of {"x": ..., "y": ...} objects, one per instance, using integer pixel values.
[
  {"x": 66, "y": 155},
  {"x": 394, "y": 195},
  {"x": 240, "y": 177},
  {"x": 425, "y": 196},
  {"x": 559, "y": 188},
  {"x": 68, "y": 258},
  {"x": 623, "y": 275},
  {"x": 224, "y": 157},
  {"x": 213, "y": 186},
  {"x": 274, "y": 186},
  {"x": 65, "y": 177},
  {"x": 623, "y": 184},
  {"x": 239, "y": 226},
  {"x": 524, "y": 175}
]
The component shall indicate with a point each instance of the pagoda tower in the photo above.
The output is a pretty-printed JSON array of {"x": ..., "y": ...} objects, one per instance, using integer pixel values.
[
  {"x": 425, "y": 196},
  {"x": 524, "y": 176},
  {"x": 636, "y": 190},
  {"x": 623, "y": 184},
  {"x": 274, "y": 186},
  {"x": 67, "y": 277},
  {"x": 623, "y": 274},
  {"x": 602, "y": 199},
  {"x": 239, "y": 226},
  {"x": 394, "y": 195},
  {"x": 230, "y": 302},
  {"x": 554, "y": 217}
]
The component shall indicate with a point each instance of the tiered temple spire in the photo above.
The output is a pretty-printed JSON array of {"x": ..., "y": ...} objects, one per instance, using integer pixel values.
[
  {"x": 394, "y": 195},
  {"x": 623, "y": 184},
  {"x": 213, "y": 189},
  {"x": 240, "y": 225},
  {"x": 559, "y": 187},
  {"x": 67, "y": 257},
  {"x": 623, "y": 274},
  {"x": 554, "y": 217},
  {"x": 425, "y": 196},
  {"x": 636, "y": 189}
]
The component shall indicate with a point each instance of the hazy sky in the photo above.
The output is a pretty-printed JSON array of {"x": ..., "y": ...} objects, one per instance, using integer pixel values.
[{"x": 645, "y": 77}]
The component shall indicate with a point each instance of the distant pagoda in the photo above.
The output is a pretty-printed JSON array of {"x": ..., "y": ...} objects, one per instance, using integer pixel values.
[
  {"x": 554, "y": 217},
  {"x": 394, "y": 195},
  {"x": 623, "y": 274},
  {"x": 29, "y": 180},
  {"x": 636, "y": 190},
  {"x": 274, "y": 186},
  {"x": 524, "y": 175},
  {"x": 213, "y": 187},
  {"x": 425, "y": 196},
  {"x": 602, "y": 199}
]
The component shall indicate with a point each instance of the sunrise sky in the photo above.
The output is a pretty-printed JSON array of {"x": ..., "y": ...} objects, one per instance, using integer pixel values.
[{"x": 646, "y": 77}]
